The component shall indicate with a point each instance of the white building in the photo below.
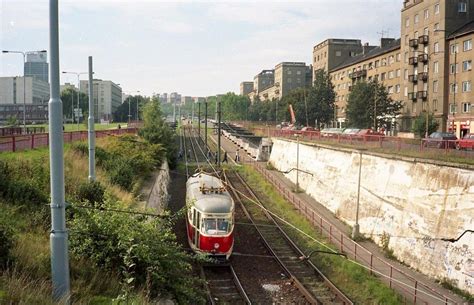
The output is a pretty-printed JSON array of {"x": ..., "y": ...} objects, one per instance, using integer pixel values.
[
  {"x": 11, "y": 90},
  {"x": 107, "y": 97}
]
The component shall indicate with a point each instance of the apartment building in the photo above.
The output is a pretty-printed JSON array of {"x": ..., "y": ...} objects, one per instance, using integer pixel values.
[
  {"x": 461, "y": 76},
  {"x": 246, "y": 88},
  {"x": 263, "y": 80},
  {"x": 382, "y": 64},
  {"x": 107, "y": 97}
]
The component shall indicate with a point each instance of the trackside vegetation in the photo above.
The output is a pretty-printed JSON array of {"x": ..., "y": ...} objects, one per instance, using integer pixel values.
[{"x": 118, "y": 254}]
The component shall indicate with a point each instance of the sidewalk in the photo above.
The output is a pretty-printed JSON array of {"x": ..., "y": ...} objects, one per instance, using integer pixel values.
[{"x": 414, "y": 286}]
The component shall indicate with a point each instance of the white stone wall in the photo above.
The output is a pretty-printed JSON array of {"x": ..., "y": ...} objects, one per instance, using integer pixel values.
[{"x": 415, "y": 203}]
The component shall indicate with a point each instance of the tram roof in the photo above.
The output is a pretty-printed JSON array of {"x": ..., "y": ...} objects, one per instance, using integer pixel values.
[{"x": 209, "y": 202}]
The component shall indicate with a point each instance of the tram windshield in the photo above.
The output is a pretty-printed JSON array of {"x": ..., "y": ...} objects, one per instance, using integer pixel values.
[{"x": 215, "y": 226}]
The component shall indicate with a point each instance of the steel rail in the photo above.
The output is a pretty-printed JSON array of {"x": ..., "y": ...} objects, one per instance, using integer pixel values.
[{"x": 227, "y": 288}]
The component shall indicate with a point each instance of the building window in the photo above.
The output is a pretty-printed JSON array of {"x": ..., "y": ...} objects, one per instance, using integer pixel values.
[
  {"x": 453, "y": 68},
  {"x": 390, "y": 90},
  {"x": 436, "y": 8},
  {"x": 453, "y": 88},
  {"x": 405, "y": 92},
  {"x": 397, "y": 88},
  {"x": 426, "y": 14},
  {"x": 426, "y": 31},
  {"x": 467, "y": 65},
  {"x": 435, "y": 67},
  {"x": 407, "y": 22},
  {"x": 390, "y": 75},
  {"x": 435, "y": 105},
  {"x": 467, "y": 45},
  {"x": 452, "y": 108},
  {"x": 436, "y": 26},
  {"x": 466, "y": 86},
  {"x": 462, "y": 6},
  {"x": 399, "y": 56},
  {"x": 417, "y": 18},
  {"x": 466, "y": 107},
  {"x": 454, "y": 48},
  {"x": 338, "y": 53},
  {"x": 398, "y": 73},
  {"x": 435, "y": 86},
  {"x": 298, "y": 72},
  {"x": 416, "y": 34},
  {"x": 377, "y": 64},
  {"x": 382, "y": 76},
  {"x": 289, "y": 72},
  {"x": 436, "y": 47},
  {"x": 405, "y": 74}
]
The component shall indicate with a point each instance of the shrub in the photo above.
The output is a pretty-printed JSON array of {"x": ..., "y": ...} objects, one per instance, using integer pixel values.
[
  {"x": 7, "y": 238},
  {"x": 92, "y": 192}
]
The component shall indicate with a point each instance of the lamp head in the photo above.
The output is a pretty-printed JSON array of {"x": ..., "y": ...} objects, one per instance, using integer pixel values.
[{"x": 4, "y": 51}]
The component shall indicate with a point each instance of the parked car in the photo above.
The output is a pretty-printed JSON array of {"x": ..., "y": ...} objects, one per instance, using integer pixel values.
[
  {"x": 331, "y": 132},
  {"x": 467, "y": 142},
  {"x": 308, "y": 128},
  {"x": 369, "y": 135},
  {"x": 441, "y": 140}
]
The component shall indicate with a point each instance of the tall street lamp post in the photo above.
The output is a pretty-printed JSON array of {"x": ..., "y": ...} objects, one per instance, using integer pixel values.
[
  {"x": 138, "y": 91},
  {"x": 78, "y": 74},
  {"x": 297, "y": 162},
  {"x": 355, "y": 230},
  {"x": 24, "y": 80}
]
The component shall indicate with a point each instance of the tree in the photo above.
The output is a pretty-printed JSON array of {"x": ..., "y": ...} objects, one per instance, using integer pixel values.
[
  {"x": 122, "y": 112},
  {"x": 419, "y": 126},
  {"x": 370, "y": 106},
  {"x": 68, "y": 97},
  {"x": 296, "y": 98},
  {"x": 156, "y": 131},
  {"x": 320, "y": 100}
]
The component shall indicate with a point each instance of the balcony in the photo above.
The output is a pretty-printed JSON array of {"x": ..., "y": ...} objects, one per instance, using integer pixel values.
[
  {"x": 413, "y": 61},
  {"x": 358, "y": 74},
  {"x": 423, "y": 39},
  {"x": 422, "y": 95},
  {"x": 423, "y": 76},
  {"x": 423, "y": 58},
  {"x": 413, "y": 78},
  {"x": 413, "y": 43},
  {"x": 412, "y": 96}
]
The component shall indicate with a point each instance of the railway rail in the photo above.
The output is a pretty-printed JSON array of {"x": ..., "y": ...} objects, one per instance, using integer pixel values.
[
  {"x": 316, "y": 288},
  {"x": 223, "y": 285}
]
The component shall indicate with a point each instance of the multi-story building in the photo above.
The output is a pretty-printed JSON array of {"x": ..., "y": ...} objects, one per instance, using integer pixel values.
[
  {"x": 380, "y": 63},
  {"x": 36, "y": 66},
  {"x": 186, "y": 100},
  {"x": 246, "y": 88},
  {"x": 11, "y": 90},
  {"x": 174, "y": 98},
  {"x": 461, "y": 76},
  {"x": 107, "y": 97},
  {"x": 276, "y": 83},
  {"x": 422, "y": 69}
]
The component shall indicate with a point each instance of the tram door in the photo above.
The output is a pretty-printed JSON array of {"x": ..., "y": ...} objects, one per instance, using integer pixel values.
[{"x": 197, "y": 225}]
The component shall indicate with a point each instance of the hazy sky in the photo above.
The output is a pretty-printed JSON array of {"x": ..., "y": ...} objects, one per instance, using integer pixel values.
[{"x": 193, "y": 47}]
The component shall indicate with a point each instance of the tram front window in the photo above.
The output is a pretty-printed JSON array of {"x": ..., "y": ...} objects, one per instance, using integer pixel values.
[{"x": 213, "y": 226}]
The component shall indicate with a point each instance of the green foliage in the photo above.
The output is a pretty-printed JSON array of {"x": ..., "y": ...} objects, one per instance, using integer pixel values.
[
  {"x": 24, "y": 182},
  {"x": 12, "y": 121},
  {"x": 156, "y": 131},
  {"x": 69, "y": 97},
  {"x": 7, "y": 238},
  {"x": 92, "y": 192},
  {"x": 144, "y": 249},
  {"x": 368, "y": 101},
  {"x": 321, "y": 99},
  {"x": 419, "y": 126},
  {"x": 130, "y": 104}
]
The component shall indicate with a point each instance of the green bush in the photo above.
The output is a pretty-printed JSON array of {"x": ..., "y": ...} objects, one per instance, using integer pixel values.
[
  {"x": 144, "y": 249},
  {"x": 7, "y": 239},
  {"x": 92, "y": 192}
]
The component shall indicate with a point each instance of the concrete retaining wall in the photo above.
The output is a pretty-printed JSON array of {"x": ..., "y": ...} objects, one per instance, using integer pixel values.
[
  {"x": 414, "y": 203},
  {"x": 156, "y": 195}
]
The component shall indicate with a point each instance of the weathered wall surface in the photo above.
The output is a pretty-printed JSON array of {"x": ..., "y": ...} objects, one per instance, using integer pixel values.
[
  {"x": 155, "y": 193},
  {"x": 415, "y": 203}
]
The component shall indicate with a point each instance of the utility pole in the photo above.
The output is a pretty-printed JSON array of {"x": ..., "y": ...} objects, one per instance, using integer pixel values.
[
  {"x": 205, "y": 124},
  {"x": 355, "y": 230},
  {"x": 174, "y": 111},
  {"x": 199, "y": 119},
  {"x": 59, "y": 234},
  {"x": 91, "y": 130},
  {"x": 192, "y": 112},
  {"x": 219, "y": 133},
  {"x": 297, "y": 162}
]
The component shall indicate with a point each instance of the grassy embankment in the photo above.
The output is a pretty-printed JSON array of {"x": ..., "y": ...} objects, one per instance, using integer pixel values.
[
  {"x": 114, "y": 257},
  {"x": 82, "y": 126},
  {"x": 355, "y": 281}
]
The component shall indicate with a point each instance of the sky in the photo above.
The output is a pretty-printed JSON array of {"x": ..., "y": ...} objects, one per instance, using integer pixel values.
[{"x": 195, "y": 48}]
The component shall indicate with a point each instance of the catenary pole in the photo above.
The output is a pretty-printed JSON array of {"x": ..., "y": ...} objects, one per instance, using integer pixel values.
[
  {"x": 91, "y": 130},
  {"x": 199, "y": 119},
  {"x": 59, "y": 234},
  {"x": 219, "y": 133},
  {"x": 205, "y": 124}
]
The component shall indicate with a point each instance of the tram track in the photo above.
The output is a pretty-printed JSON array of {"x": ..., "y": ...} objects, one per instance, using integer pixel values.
[
  {"x": 316, "y": 288},
  {"x": 223, "y": 285}
]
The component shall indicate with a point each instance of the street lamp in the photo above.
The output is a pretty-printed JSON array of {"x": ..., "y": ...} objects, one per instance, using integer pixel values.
[
  {"x": 297, "y": 161},
  {"x": 355, "y": 230},
  {"x": 138, "y": 91},
  {"x": 78, "y": 74},
  {"x": 24, "y": 81}
]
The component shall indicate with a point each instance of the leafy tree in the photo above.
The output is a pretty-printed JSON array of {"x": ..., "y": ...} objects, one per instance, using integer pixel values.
[
  {"x": 320, "y": 101},
  {"x": 296, "y": 98},
  {"x": 368, "y": 103},
  {"x": 68, "y": 97},
  {"x": 121, "y": 113},
  {"x": 419, "y": 126},
  {"x": 156, "y": 131}
]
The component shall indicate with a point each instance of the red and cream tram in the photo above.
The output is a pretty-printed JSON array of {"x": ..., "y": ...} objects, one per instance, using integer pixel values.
[{"x": 210, "y": 216}]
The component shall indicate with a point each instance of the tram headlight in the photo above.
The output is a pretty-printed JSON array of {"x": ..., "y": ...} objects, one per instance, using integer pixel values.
[{"x": 216, "y": 246}]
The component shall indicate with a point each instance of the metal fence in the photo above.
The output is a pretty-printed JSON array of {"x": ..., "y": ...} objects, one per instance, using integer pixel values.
[
  {"x": 423, "y": 147},
  {"x": 15, "y": 143},
  {"x": 413, "y": 290}
]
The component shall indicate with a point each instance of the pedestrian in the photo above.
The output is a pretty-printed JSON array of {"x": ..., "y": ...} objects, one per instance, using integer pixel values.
[
  {"x": 225, "y": 157},
  {"x": 209, "y": 154},
  {"x": 119, "y": 127},
  {"x": 217, "y": 157},
  {"x": 237, "y": 156}
]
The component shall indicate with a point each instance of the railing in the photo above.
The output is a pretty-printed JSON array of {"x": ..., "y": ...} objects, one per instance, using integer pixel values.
[
  {"x": 418, "y": 292},
  {"x": 7, "y": 131},
  {"x": 426, "y": 147},
  {"x": 31, "y": 141}
]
